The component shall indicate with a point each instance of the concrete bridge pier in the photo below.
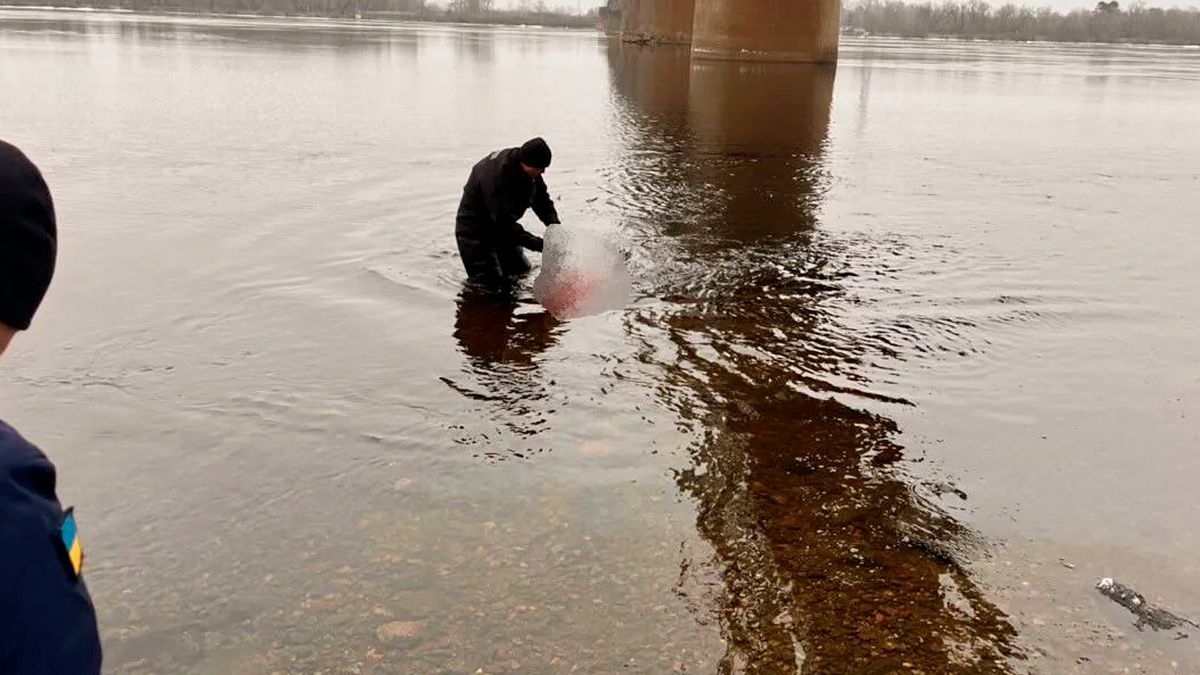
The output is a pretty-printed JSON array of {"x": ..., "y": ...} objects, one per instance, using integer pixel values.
[
  {"x": 657, "y": 21},
  {"x": 609, "y": 20},
  {"x": 804, "y": 31}
]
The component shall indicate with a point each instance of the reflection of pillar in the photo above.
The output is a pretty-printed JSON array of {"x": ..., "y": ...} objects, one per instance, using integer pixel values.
[
  {"x": 759, "y": 131},
  {"x": 660, "y": 21},
  {"x": 650, "y": 179},
  {"x": 828, "y": 559},
  {"x": 654, "y": 81},
  {"x": 767, "y": 30}
]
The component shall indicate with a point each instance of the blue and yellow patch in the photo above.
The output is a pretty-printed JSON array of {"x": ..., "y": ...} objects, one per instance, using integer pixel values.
[{"x": 72, "y": 545}]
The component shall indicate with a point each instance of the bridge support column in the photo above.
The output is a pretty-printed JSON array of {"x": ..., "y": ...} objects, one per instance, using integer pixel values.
[
  {"x": 767, "y": 30},
  {"x": 657, "y": 21},
  {"x": 609, "y": 21}
]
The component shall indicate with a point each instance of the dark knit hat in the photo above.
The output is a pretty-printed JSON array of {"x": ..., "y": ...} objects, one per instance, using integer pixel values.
[
  {"x": 535, "y": 153},
  {"x": 28, "y": 238}
]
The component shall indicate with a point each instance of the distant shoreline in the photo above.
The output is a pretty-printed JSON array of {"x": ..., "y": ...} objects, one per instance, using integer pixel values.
[
  {"x": 1107, "y": 23},
  {"x": 499, "y": 18},
  {"x": 859, "y": 20},
  {"x": 851, "y": 32}
]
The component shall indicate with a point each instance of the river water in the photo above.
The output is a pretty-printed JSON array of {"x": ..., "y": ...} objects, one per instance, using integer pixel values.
[{"x": 911, "y": 362}]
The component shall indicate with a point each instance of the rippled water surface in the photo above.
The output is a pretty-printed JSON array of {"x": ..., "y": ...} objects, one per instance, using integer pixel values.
[{"x": 911, "y": 362}]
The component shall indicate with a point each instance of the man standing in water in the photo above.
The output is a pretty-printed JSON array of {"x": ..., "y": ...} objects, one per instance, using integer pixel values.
[
  {"x": 501, "y": 187},
  {"x": 47, "y": 622}
]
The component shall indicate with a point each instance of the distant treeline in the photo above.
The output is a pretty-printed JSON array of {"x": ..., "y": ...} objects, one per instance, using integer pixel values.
[
  {"x": 271, "y": 7},
  {"x": 467, "y": 11},
  {"x": 1108, "y": 22}
]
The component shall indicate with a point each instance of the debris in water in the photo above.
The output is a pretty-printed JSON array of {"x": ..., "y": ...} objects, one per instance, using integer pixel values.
[{"x": 1147, "y": 615}]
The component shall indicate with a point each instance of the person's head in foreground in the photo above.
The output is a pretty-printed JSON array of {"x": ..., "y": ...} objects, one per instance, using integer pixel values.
[{"x": 28, "y": 242}]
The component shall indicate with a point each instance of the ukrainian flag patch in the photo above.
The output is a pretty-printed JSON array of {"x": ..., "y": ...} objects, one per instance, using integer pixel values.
[{"x": 72, "y": 545}]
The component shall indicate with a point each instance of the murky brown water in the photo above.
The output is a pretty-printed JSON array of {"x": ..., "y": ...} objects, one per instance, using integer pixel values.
[{"x": 912, "y": 364}]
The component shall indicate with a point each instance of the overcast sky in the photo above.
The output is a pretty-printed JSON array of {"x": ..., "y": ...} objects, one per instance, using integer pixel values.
[{"x": 584, "y": 5}]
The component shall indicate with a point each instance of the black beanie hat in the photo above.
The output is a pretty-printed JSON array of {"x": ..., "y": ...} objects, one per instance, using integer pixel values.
[
  {"x": 28, "y": 237},
  {"x": 535, "y": 153}
]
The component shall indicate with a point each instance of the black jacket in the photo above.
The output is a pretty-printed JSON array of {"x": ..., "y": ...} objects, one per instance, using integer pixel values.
[
  {"x": 47, "y": 623},
  {"x": 496, "y": 196}
]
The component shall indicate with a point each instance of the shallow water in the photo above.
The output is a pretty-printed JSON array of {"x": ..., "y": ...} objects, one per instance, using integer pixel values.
[{"x": 910, "y": 363}]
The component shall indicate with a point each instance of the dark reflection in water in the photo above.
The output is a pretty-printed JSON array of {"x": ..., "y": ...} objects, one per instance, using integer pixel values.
[
  {"x": 479, "y": 46},
  {"x": 502, "y": 338},
  {"x": 828, "y": 559},
  {"x": 492, "y": 334},
  {"x": 759, "y": 132}
]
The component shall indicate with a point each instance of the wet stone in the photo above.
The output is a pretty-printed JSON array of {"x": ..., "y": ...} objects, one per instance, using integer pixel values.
[{"x": 396, "y": 631}]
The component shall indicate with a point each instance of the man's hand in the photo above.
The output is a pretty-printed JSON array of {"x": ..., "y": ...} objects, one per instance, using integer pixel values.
[{"x": 531, "y": 242}]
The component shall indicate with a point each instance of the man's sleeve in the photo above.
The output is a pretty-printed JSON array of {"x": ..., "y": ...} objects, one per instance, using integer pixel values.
[
  {"x": 47, "y": 621},
  {"x": 543, "y": 206}
]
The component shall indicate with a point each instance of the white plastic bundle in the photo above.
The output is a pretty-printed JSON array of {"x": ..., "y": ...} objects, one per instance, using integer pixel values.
[{"x": 582, "y": 273}]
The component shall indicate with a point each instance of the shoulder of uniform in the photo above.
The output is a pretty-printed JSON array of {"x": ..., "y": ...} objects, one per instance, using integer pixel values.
[
  {"x": 493, "y": 159},
  {"x": 27, "y": 483},
  {"x": 22, "y": 461},
  {"x": 504, "y": 155},
  {"x": 13, "y": 446}
]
